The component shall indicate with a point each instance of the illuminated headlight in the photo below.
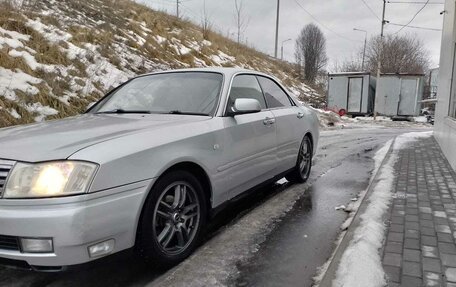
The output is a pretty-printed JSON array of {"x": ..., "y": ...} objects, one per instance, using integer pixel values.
[{"x": 49, "y": 179}]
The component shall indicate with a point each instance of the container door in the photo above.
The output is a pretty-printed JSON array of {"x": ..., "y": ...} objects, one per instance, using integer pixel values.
[
  {"x": 407, "y": 97},
  {"x": 355, "y": 94}
]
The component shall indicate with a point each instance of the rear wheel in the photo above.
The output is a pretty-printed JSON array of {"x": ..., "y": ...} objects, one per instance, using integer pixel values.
[
  {"x": 173, "y": 219},
  {"x": 303, "y": 166}
]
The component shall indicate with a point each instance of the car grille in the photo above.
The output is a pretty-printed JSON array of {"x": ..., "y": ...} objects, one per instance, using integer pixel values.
[
  {"x": 9, "y": 242},
  {"x": 5, "y": 168}
]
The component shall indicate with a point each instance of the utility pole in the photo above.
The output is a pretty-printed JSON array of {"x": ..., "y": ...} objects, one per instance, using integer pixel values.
[
  {"x": 379, "y": 62},
  {"x": 277, "y": 29},
  {"x": 177, "y": 8},
  {"x": 281, "y": 50},
  {"x": 364, "y": 49}
]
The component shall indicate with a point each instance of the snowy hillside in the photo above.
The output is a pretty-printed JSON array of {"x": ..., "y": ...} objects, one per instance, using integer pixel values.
[{"x": 56, "y": 57}]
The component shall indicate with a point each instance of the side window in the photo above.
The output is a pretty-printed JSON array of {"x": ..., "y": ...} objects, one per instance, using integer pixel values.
[
  {"x": 275, "y": 96},
  {"x": 245, "y": 86}
]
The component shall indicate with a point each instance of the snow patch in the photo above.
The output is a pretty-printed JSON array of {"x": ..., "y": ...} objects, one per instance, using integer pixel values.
[
  {"x": 222, "y": 58},
  {"x": 371, "y": 119},
  {"x": 361, "y": 263},
  {"x": 160, "y": 39},
  {"x": 421, "y": 119},
  {"x": 429, "y": 251},
  {"x": 30, "y": 60},
  {"x": 10, "y": 81},
  {"x": 43, "y": 111},
  {"x": 404, "y": 139},
  {"x": 12, "y": 38},
  {"x": 52, "y": 34},
  {"x": 14, "y": 114}
]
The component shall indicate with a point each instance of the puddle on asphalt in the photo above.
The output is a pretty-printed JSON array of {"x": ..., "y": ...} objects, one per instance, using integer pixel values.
[{"x": 304, "y": 238}]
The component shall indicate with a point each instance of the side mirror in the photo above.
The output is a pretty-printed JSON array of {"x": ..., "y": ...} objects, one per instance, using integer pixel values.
[{"x": 245, "y": 106}]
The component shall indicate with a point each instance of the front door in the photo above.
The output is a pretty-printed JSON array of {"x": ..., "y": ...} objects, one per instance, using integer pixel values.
[
  {"x": 407, "y": 97},
  {"x": 355, "y": 94},
  {"x": 249, "y": 148}
]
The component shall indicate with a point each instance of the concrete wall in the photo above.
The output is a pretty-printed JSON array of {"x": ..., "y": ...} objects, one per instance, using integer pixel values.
[{"x": 445, "y": 126}]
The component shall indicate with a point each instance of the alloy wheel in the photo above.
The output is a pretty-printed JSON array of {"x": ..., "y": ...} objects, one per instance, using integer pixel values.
[
  {"x": 305, "y": 156},
  {"x": 176, "y": 218}
]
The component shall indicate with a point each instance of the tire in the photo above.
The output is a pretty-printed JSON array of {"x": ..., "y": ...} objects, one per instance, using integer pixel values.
[
  {"x": 301, "y": 171},
  {"x": 173, "y": 219}
]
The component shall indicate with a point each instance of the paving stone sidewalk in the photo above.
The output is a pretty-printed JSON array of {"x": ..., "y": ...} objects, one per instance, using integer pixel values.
[{"x": 420, "y": 248}]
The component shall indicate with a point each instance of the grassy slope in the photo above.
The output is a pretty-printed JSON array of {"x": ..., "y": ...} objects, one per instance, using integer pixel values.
[{"x": 77, "y": 50}]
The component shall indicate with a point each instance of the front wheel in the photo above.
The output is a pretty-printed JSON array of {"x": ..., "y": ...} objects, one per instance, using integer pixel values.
[
  {"x": 301, "y": 171},
  {"x": 173, "y": 219}
]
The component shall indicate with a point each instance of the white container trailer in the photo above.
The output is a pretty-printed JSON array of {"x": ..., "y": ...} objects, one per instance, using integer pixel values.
[
  {"x": 351, "y": 93},
  {"x": 399, "y": 95}
]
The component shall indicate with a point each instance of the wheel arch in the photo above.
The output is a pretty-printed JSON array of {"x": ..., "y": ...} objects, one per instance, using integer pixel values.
[
  {"x": 188, "y": 166},
  {"x": 199, "y": 172}
]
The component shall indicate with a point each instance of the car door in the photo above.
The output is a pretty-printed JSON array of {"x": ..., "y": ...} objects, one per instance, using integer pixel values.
[
  {"x": 289, "y": 123},
  {"x": 249, "y": 148}
]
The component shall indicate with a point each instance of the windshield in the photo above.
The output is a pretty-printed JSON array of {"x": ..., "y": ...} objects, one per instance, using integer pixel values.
[{"x": 174, "y": 93}]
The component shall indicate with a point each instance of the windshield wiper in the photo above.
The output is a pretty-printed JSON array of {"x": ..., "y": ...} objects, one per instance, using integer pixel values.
[
  {"x": 178, "y": 112},
  {"x": 122, "y": 111}
]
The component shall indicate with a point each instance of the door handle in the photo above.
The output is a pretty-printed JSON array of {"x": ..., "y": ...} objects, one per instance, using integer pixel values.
[
  {"x": 300, "y": 115},
  {"x": 268, "y": 121}
]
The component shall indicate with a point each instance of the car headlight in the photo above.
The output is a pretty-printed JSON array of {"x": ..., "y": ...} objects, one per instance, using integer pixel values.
[{"x": 49, "y": 179}]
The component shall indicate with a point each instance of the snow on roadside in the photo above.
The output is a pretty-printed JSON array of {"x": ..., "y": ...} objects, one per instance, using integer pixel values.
[
  {"x": 361, "y": 263},
  {"x": 420, "y": 119},
  {"x": 404, "y": 139},
  {"x": 352, "y": 208}
]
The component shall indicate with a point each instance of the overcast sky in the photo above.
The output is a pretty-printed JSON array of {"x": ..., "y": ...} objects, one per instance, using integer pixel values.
[{"x": 336, "y": 18}]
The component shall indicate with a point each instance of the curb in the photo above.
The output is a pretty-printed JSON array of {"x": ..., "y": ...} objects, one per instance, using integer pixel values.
[{"x": 347, "y": 236}]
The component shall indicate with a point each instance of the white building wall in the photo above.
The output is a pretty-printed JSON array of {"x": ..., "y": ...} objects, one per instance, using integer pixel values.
[{"x": 445, "y": 123}]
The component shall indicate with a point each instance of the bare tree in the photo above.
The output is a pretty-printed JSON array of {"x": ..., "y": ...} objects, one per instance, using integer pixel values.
[
  {"x": 310, "y": 52},
  {"x": 399, "y": 54},
  {"x": 206, "y": 23},
  {"x": 348, "y": 65},
  {"x": 241, "y": 20}
]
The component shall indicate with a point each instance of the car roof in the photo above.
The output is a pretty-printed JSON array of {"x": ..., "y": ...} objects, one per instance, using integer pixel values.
[{"x": 227, "y": 71}]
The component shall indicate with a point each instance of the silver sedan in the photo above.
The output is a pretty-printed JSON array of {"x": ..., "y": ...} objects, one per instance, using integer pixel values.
[{"x": 147, "y": 166}]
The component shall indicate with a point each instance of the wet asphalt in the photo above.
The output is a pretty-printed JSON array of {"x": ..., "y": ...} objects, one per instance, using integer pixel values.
[{"x": 275, "y": 237}]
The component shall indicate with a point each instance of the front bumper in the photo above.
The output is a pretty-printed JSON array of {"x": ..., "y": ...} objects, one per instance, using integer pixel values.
[{"x": 74, "y": 223}]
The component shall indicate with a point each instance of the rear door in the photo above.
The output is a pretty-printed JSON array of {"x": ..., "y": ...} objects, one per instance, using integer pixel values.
[
  {"x": 289, "y": 123},
  {"x": 250, "y": 141},
  {"x": 407, "y": 97},
  {"x": 355, "y": 93}
]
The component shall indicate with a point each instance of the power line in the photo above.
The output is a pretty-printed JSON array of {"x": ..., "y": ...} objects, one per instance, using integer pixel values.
[
  {"x": 416, "y": 14},
  {"x": 370, "y": 9},
  {"x": 323, "y": 25},
  {"x": 416, "y": 27}
]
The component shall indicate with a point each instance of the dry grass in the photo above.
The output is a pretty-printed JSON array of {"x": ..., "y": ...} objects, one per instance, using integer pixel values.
[
  {"x": 8, "y": 62},
  {"x": 96, "y": 22}
]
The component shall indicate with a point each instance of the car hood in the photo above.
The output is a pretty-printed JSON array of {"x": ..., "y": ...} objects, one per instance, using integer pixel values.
[{"x": 60, "y": 139}]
